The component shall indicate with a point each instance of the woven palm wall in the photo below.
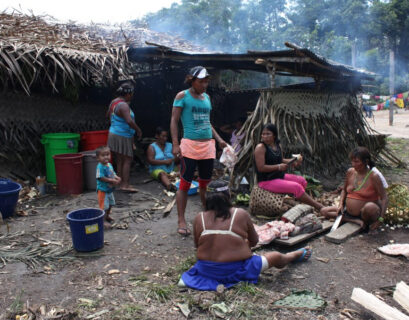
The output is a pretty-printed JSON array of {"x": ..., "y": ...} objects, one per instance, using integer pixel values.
[
  {"x": 25, "y": 118},
  {"x": 324, "y": 126}
]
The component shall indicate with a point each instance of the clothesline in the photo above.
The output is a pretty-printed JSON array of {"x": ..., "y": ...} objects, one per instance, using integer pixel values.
[{"x": 398, "y": 99}]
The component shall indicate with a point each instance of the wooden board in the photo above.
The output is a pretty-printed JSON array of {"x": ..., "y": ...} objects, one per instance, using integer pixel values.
[
  {"x": 401, "y": 295},
  {"x": 326, "y": 225},
  {"x": 372, "y": 303},
  {"x": 343, "y": 232}
]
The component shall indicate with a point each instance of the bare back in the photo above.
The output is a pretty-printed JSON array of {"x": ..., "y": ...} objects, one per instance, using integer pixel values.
[{"x": 219, "y": 247}]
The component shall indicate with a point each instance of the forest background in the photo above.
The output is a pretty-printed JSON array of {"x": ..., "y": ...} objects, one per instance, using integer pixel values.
[{"x": 355, "y": 32}]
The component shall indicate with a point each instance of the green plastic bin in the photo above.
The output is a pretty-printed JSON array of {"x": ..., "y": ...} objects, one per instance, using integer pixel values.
[{"x": 58, "y": 143}]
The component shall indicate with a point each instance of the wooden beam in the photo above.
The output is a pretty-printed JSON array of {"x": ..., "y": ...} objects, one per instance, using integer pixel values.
[
  {"x": 377, "y": 306},
  {"x": 290, "y": 59},
  {"x": 401, "y": 295}
]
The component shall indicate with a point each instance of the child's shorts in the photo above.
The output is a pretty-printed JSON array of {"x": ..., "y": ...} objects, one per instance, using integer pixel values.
[{"x": 105, "y": 199}]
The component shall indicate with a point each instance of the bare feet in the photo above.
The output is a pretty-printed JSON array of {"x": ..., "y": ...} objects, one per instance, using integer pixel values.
[
  {"x": 356, "y": 221},
  {"x": 128, "y": 188},
  {"x": 109, "y": 219}
]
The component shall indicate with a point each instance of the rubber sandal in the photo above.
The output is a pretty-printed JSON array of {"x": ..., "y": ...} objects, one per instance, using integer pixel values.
[
  {"x": 185, "y": 232},
  {"x": 306, "y": 255}
]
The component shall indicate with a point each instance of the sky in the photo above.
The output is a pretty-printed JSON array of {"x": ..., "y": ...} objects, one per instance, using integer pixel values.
[{"x": 86, "y": 11}]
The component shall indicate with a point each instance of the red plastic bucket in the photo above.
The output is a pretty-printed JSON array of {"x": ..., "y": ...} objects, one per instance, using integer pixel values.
[
  {"x": 68, "y": 169},
  {"x": 90, "y": 140}
]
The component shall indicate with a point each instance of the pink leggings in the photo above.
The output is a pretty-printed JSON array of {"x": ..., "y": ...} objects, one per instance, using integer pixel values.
[{"x": 290, "y": 184}]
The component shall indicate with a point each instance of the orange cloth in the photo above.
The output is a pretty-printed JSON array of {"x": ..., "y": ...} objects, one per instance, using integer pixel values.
[
  {"x": 101, "y": 199},
  {"x": 366, "y": 193},
  {"x": 198, "y": 150}
]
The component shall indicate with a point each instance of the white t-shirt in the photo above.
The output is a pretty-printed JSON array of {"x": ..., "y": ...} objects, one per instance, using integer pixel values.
[{"x": 385, "y": 184}]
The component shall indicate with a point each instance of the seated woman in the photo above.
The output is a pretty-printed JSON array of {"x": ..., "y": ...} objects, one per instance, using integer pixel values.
[
  {"x": 223, "y": 236},
  {"x": 160, "y": 158},
  {"x": 271, "y": 167},
  {"x": 363, "y": 197}
]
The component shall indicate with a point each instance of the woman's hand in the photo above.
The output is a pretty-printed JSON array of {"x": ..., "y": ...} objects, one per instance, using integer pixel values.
[
  {"x": 299, "y": 161},
  {"x": 169, "y": 161},
  {"x": 176, "y": 150},
  {"x": 339, "y": 210},
  {"x": 222, "y": 144},
  {"x": 282, "y": 167},
  {"x": 139, "y": 134}
]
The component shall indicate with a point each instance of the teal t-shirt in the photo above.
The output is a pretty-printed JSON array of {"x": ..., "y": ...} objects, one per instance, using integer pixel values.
[
  {"x": 104, "y": 171},
  {"x": 195, "y": 116}
]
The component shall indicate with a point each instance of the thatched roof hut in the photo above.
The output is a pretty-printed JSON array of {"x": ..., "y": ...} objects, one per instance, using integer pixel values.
[
  {"x": 36, "y": 52},
  {"x": 58, "y": 77}
]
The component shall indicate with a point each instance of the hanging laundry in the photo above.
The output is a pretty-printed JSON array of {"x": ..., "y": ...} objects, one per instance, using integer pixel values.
[
  {"x": 399, "y": 103},
  {"x": 366, "y": 96},
  {"x": 399, "y": 96}
]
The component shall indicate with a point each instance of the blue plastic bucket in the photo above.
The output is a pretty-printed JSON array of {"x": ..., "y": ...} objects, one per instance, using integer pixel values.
[
  {"x": 9, "y": 192},
  {"x": 87, "y": 228},
  {"x": 193, "y": 188}
]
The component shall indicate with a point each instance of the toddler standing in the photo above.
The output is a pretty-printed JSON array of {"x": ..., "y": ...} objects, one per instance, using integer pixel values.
[{"x": 106, "y": 179}]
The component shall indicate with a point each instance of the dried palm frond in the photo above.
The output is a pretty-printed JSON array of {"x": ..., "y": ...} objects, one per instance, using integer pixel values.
[
  {"x": 34, "y": 255},
  {"x": 38, "y": 49}
]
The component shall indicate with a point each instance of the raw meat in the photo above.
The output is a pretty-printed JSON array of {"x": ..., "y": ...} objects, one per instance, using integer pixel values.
[{"x": 273, "y": 229}]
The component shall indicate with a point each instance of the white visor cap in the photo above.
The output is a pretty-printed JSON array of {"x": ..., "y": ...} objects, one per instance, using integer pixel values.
[{"x": 199, "y": 72}]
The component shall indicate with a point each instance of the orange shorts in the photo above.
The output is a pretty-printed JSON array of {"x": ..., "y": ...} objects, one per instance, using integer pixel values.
[{"x": 105, "y": 200}]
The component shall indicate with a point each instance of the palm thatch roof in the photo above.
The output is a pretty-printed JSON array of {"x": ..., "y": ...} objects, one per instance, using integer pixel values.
[{"x": 35, "y": 50}]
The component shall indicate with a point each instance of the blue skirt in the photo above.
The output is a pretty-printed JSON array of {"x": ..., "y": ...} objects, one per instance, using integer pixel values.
[{"x": 207, "y": 275}]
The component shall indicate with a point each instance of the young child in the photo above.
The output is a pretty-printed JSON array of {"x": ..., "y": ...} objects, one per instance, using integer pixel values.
[{"x": 106, "y": 179}]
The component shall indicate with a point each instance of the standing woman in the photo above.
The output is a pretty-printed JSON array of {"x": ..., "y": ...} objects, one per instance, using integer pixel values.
[
  {"x": 121, "y": 132},
  {"x": 197, "y": 148},
  {"x": 271, "y": 167}
]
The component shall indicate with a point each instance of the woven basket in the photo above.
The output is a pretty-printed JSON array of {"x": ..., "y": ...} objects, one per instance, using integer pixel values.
[{"x": 266, "y": 203}]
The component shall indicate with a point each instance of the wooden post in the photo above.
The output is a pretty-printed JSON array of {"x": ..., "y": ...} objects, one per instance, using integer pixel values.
[
  {"x": 391, "y": 84},
  {"x": 272, "y": 72}
]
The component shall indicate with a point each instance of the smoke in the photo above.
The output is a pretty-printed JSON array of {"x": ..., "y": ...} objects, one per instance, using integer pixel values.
[{"x": 343, "y": 31}]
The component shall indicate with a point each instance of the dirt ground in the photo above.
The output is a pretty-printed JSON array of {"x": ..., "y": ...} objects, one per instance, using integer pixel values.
[
  {"x": 146, "y": 256},
  {"x": 400, "y": 128}
]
